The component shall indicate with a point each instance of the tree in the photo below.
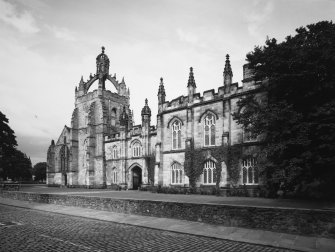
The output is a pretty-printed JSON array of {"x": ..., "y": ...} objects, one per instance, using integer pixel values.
[
  {"x": 20, "y": 167},
  {"x": 39, "y": 171},
  {"x": 298, "y": 118},
  {"x": 7, "y": 146}
]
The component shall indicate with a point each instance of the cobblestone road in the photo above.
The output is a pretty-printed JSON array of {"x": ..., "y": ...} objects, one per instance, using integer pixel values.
[{"x": 31, "y": 230}]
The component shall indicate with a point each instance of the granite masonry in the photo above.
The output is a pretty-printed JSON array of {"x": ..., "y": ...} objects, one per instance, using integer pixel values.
[{"x": 103, "y": 147}]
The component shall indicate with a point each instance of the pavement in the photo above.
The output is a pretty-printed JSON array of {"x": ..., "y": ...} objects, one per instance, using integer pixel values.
[{"x": 251, "y": 236}]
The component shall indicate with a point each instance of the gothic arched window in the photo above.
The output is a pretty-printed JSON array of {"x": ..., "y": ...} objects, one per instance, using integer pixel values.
[
  {"x": 114, "y": 175},
  {"x": 209, "y": 172},
  {"x": 136, "y": 149},
  {"x": 113, "y": 117},
  {"x": 209, "y": 130},
  {"x": 176, "y": 135},
  {"x": 176, "y": 174},
  {"x": 250, "y": 171},
  {"x": 114, "y": 152},
  {"x": 64, "y": 158}
]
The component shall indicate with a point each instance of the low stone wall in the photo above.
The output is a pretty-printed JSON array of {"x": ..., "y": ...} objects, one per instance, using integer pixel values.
[{"x": 296, "y": 221}]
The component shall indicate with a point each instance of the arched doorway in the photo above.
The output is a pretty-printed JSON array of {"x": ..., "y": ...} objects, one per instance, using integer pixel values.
[{"x": 137, "y": 177}]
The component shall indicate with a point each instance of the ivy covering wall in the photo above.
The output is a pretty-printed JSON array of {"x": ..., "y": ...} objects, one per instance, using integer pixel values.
[{"x": 150, "y": 161}]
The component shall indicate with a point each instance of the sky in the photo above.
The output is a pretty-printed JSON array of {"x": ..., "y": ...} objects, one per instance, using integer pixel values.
[{"x": 46, "y": 46}]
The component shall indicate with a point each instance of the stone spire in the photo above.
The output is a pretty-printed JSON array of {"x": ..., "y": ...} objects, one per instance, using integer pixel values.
[
  {"x": 191, "y": 86},
  {"x": 161, "y": 92},
  {"x": 227, "y": 68},
  {"x": 227, "y": 75},
  {"x": 191, "y": 81}
]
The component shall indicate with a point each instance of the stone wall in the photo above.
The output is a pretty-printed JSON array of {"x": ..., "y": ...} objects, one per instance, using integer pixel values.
[{"x": 319, "y": 223}]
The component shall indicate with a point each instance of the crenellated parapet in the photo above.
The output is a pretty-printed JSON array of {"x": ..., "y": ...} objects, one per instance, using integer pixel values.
[{"x": 228, "y": 90}]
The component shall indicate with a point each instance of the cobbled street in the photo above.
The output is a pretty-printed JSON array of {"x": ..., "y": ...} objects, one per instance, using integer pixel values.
[{"x": 31, "y": 230}]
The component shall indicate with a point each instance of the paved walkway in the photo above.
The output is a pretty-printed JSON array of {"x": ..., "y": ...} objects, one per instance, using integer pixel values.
[{"x": 301, "y": 243}]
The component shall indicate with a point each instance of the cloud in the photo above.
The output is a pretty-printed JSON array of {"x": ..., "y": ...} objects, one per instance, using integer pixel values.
[
  {"x": 61, "y": 33},
  {"x": 187, "y": 36},
  {"x": 258, "y": 17},
  {"x": 24, "y": 21}
]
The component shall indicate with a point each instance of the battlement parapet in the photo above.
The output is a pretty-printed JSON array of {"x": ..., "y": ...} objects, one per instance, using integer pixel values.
[{"x": 112, "y": 137}]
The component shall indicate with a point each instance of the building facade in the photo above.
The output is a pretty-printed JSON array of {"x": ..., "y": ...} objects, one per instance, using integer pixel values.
[{"x": 103, "y": 147}]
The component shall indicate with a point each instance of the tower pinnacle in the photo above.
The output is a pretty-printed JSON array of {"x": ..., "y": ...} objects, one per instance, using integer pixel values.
[
  {"x": 161, "y": 92},
  {"x": 191, "y": 81},
  {"x": 227, "y": 68}
]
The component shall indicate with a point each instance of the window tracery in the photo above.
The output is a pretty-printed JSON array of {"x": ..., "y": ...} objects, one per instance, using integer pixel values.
[
  {"x": 176, "y": 135},
  {"x": 209, "y": 130},
  {"x": 250, "y": 173},
  {"x": 176, "y": 174},
  {"x": 209, "y": 173}
]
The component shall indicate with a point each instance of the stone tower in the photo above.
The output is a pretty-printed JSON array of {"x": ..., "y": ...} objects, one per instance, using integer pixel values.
[{"x": 95, "y": 116}]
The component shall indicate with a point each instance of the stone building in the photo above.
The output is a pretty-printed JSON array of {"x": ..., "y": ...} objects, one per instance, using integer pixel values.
[{"x": 103, "y": 147}]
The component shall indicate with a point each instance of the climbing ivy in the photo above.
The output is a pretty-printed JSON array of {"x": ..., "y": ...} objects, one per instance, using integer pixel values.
[
  {"x": 233, "y": 163},
  {"x": 151, "y": 161},
  {"x": 196, "y": 157}
]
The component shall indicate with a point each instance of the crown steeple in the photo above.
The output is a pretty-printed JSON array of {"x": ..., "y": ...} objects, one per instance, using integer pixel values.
[{"x": 102, "y": 67}]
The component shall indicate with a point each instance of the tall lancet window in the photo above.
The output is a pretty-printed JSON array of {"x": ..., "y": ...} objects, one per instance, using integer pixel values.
[
  {"x": 209, "y": 174},
  {"x": 176, "y": 135},
  {"x": 209, "y": 130},
  {"x": 113, "y": 117}
]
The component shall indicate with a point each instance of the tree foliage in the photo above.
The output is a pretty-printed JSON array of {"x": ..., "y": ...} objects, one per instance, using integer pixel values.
[
  {"x": 39, "y": 171},
  {"x": 21, "y": 168},
  {"x": 13, "y": 163},
  {"x": 7, "y": 145},
  {"x": 298, "y": 118}
]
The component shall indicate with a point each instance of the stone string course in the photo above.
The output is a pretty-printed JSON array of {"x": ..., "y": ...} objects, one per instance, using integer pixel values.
[{"x": 320, "y": 223}]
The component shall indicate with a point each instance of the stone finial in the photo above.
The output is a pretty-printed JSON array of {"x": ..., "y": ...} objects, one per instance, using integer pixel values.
[
  {"x": 122, "y": 82},
  {"x": 81, "y": 80},
  {"x": 227, "y": 67},
  {"x": 191, "y": 81},
  {"x": 52, "y": 142},
  {"x": 161, "y": 91},
  {"x": 103, "y": 49}
]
